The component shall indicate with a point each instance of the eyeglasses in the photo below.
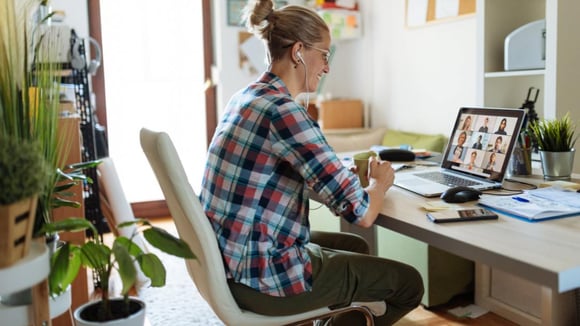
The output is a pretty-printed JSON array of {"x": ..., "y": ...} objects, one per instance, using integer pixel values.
[{"x": 325, "y": 53}]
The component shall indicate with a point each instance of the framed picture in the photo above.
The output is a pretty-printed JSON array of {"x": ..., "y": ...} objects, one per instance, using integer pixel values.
[{"x": 235, "y": 7}]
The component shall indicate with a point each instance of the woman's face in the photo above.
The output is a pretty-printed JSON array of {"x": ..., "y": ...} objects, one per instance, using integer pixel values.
[
  {"x": 316, "y": 62},
  {"x": 502, "y": 124},
  {"x": 461, "y": 139}
]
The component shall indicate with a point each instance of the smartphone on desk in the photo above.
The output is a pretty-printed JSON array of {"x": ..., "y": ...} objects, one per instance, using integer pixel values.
[{"x": 461, "y": 215}]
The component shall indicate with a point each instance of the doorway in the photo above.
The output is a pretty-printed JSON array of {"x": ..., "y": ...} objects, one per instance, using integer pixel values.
[{"x": 153, "y": 78}]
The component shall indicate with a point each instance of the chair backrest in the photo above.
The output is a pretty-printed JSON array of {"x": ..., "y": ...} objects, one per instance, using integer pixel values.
[
  {"x": 207, "y": 271},
  {"x": 193, "y": 226}
]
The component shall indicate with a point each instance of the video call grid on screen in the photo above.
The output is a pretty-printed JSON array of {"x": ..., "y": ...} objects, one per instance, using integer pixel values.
[{"x": 481, "y": 141}]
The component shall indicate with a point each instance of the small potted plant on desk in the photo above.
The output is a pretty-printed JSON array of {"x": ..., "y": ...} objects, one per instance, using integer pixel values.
[
  {"x": 122, "y": 256},
  {"x": 555, "y": 140}
]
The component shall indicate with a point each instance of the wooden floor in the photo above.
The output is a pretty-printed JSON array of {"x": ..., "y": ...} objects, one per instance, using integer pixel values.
[{"x": 437, "y": 316}]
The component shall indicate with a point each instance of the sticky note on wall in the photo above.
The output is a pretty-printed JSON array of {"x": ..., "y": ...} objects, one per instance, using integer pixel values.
[{"x": 343, "y": 24}]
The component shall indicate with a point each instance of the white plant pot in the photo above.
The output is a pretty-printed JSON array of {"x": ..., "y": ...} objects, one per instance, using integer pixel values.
[
  {"x": 136, "y": 319},
  {"x": 60, "y": 304}
]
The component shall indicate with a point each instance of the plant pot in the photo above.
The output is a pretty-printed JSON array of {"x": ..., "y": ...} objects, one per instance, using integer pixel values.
[
  {"x": 85, "y": 315},
  {"x": 557, "y": 165},
  {"x": 24, "y": 297},
  {"x": 16, "y": 224}
]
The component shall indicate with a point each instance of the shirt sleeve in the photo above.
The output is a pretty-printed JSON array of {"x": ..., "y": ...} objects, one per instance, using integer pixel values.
[{"x": 297, "y": 139}]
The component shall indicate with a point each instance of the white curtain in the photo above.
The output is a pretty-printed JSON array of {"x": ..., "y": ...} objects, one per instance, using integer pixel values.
[{"x": 153, "y": 54}]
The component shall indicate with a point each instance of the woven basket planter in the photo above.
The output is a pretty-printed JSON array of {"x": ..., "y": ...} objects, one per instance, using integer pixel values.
[{"x": 16, "y": 225}]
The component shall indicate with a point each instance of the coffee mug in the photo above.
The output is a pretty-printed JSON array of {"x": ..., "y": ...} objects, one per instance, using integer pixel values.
[{"x": 361, "y": 160}]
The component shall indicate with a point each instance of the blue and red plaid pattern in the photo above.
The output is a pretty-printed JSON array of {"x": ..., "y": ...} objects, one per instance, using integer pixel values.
[{"x": 264, "y": 158}]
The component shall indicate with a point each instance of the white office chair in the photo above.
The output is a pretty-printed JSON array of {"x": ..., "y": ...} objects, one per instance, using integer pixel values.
[{"x": 207, "y": 271}]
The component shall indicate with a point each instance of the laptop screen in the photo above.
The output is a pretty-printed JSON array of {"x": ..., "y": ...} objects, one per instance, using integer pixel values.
[{"x": 482, "y": 141}]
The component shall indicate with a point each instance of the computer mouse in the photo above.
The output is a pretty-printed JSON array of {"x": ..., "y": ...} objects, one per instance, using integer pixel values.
[
  {"x": 396, "y": 155},
  {"x": 460, "y": 194}
]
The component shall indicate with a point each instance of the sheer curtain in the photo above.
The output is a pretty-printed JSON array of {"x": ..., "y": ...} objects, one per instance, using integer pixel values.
[{"x": 153, "y": 78}]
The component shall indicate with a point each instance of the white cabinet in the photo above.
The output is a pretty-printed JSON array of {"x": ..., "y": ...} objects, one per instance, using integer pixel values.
[{"x": 509, "y": 295}]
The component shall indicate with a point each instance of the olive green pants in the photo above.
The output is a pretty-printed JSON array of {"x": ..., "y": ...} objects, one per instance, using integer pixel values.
[{"x": 343, "y": 272}]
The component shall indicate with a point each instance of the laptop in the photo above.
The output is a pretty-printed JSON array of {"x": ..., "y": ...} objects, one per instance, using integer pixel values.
[{"x": 477, "y": 153}]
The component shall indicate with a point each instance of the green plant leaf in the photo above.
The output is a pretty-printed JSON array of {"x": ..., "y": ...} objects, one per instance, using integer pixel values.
[
  {"x": 59, "y": 268},
  {"x": 73, "y": 267},
  {"x": 96, "y": 256},
  {"x": 153, "y": 268},
  {"x": 71, "y": 224},
  {"x": 65, "y": 265},
  {"x": 132, "y": 247},
  {"x": 166, "y": 242},
  {"x": 125, "y": 266}
]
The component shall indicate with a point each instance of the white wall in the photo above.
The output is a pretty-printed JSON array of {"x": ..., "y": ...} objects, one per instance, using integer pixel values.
[
  {"x": 410, "y": 79},
  {"x": 76, "y": 15}
]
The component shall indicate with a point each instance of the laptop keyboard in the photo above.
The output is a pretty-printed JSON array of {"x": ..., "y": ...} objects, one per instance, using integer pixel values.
[{"x": 446, "y": 179}]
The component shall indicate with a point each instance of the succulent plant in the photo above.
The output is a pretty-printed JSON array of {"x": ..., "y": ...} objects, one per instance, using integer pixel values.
[{"x": 23, "y": 169}]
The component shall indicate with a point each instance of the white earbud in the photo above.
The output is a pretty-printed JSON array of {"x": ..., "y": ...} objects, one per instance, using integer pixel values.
[{"x": 299, "y": 55}]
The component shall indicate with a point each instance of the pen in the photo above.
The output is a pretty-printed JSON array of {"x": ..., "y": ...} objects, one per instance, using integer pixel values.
[{"x": 520, "y": 199}]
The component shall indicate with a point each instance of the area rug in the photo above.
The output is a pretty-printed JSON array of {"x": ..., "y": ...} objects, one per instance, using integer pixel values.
[{"x": 178, "y": 302}]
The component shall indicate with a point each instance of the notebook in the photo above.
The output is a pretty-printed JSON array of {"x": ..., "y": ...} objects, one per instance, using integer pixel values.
[
  {"x": 537, "y": 204},
  {"x": 477, "y": 153}
]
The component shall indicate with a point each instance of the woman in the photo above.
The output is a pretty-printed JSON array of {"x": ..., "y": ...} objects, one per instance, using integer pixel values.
[
  {"x": 457, "y": 153},
  {"x": 466, "y": 124},
  {"x": 491, "y": 163},
  {"x": 265, "y": 157},
  {"x": 501, "y": 129}
]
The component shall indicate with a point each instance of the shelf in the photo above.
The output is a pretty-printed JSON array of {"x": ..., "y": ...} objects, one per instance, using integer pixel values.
[
  {"x": 27, "y": 272},
  {"x": 515, "y": 73}
]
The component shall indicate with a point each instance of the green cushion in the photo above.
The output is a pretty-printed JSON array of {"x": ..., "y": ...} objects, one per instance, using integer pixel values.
[{"x": 435, "y": 143}]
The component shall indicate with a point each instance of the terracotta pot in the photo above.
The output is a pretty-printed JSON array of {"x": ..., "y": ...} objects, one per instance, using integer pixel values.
[{"x": 85, "y": 314}]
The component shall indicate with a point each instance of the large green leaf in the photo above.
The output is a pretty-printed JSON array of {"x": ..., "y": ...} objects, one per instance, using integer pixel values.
[
  {"x": 126, "y": 268},
  {"x": 153, "y": 268},
  {"x": 72, "y": 224},
  {"x": 132, "y": 247},
  {"x": 166, "y": 242},
  {"x": 96, "y": 256},
  {"x": 65, "y": 265}
]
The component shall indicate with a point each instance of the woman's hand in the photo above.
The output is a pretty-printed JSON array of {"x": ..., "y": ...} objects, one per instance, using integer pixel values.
[
  {"x": 381, "y": 178},
  {"x": 382, "y": 173}
]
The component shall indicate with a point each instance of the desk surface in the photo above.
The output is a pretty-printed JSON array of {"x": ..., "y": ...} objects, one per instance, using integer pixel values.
[{"x": 546, "y": 252}]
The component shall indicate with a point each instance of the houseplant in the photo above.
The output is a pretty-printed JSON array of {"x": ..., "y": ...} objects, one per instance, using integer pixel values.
[
  {"x": 24, "y": 173},
  {"x": 121, "y": 256},
  {"x": 555, "y": 139},
  {"x": 29, "y": 88}
]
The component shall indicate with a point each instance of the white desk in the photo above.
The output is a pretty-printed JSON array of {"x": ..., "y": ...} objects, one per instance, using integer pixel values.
[{"x": 546, "y": 253}]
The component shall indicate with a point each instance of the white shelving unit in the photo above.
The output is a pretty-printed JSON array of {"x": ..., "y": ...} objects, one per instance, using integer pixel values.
[
  {"x": 26, "y": 273},
  {"x": 509, "y": 295}
]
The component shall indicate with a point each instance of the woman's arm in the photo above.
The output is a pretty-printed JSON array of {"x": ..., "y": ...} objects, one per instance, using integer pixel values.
[{"x": 381, "y": 178}]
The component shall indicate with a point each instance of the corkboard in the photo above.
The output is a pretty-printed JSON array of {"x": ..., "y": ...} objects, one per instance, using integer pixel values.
[{"x": 424, "y": 12}]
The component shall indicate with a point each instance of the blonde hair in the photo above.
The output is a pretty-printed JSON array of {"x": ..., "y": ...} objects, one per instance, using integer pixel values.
[{"x": 281, "y": 28}]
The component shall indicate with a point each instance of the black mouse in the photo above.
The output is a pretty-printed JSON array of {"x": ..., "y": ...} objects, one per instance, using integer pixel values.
[
  {"x": 460, "y": 194},
  {"x": 396, "y": 155}
]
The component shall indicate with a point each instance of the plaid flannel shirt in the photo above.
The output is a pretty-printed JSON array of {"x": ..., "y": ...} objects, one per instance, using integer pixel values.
[{"x": 265, "y": 156}]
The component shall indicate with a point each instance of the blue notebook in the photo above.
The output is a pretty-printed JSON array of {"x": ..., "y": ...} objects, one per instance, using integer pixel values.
[{"x": 536, "y": 205}]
